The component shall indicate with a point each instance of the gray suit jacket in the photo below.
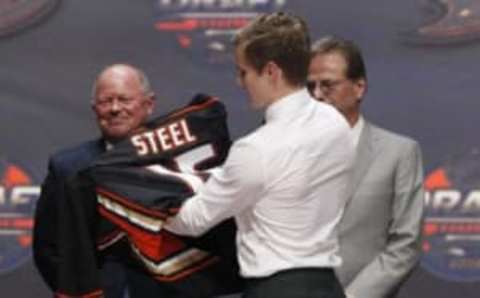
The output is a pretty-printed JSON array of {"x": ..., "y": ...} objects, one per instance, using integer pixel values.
[{"x": 379, "y": 235}]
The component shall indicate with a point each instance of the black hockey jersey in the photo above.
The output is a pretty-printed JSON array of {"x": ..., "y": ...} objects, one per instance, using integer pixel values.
[{"x": 124, "y": 198}]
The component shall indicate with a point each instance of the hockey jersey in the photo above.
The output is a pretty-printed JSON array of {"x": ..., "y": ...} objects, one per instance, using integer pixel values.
[{"x": 125, "y": 197}]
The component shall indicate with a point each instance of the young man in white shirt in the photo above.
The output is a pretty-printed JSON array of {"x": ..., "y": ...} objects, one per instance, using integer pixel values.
[{"x": 286, "y": 183}]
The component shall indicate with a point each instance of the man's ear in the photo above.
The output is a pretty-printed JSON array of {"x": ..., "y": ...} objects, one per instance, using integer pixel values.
[
  {"x": 360, "y": 86},
  {"x": 150, "y": 102},
  {"x": 92, "y": 104},
  {"x": 272, "y": 70}
]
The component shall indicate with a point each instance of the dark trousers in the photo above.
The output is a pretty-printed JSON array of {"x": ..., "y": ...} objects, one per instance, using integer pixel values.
[
  {"x": 113, "y": 278},
  {"x": 296, "y": 283}
]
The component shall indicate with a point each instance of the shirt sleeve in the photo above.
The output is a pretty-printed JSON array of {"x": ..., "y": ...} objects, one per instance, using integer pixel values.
[{"x": 239, "y": 183}]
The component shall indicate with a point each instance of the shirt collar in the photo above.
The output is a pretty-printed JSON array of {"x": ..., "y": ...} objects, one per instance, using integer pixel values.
[
  {"x": 108, "y": 146},
  {"x": 357, "y": 130},
  {"x": 286, "y": 106}
]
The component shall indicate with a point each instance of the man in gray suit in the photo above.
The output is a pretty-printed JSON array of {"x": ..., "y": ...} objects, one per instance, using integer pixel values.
[{"x": 379, "y": 235}]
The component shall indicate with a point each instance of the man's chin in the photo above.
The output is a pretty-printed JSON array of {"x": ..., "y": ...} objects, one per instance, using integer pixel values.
[
  {"x": 115, "y": 135},
  {"x": 257, "y": 105}
]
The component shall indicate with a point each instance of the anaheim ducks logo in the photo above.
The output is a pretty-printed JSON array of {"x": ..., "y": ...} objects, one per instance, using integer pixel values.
[
  {"x": 18, "y": 196},
  {"x": 451, "y": 230},
  {"x": 19, "y": 14},
  {"x": 204, "y": 28},
  {"x": 446, "y": 22}
]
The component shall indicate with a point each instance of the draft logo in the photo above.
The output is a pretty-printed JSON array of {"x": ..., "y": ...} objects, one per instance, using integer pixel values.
[
  {"x": 204, "y": 28},
  {"x": 451, "y": 231},
  {"x": 18, "y": 196}
]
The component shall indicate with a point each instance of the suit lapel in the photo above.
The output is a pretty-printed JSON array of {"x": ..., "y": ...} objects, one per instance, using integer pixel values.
[
  {"x": 91, "y": 152},
  {"x": 98, "y": 147},
  {"x": 365, "y": 155}
]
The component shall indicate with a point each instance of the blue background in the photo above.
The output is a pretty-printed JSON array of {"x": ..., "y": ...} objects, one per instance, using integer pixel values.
[{"x": 46, "y": 71}]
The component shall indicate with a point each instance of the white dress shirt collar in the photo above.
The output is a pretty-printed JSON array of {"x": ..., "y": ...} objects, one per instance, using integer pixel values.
[
  {"x": 108, "y": 146},
  {"x": 286, "y": 107},
  {"x": 357, "y": 130}
]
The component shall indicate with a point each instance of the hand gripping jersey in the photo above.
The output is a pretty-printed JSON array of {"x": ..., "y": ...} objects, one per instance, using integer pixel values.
[{"x": 120, "y": 203}]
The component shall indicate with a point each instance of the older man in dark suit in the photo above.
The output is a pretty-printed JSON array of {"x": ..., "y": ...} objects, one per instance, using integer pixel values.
[{"x": 122, "y": 102}]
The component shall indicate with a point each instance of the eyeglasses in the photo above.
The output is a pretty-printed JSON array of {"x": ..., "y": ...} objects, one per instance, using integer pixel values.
[
  {"x": 324, "y": 85},
  {"x": 107, "y": 102}
]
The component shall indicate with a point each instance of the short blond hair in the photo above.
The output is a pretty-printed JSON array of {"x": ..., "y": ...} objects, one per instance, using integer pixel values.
[{"x": 279, "y": 37}]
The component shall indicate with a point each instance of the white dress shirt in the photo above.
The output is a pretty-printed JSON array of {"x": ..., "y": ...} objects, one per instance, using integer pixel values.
[
  {"x": 286, "y": 185},
  {"x": 356, "y": 133},
  {"x": 357, "y": 130}
]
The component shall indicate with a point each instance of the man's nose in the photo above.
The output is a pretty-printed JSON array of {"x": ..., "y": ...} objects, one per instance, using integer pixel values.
[
  {"x": 115, "y": 107},
  {"x": 317, "y": 92}
]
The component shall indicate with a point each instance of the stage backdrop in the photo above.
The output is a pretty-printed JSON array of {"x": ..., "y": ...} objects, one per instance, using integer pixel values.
[{"x": 423, "y": 68}]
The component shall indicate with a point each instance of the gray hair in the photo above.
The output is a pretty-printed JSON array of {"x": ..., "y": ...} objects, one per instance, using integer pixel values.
[
  {"x": 347, "y": 49},
  {"x": 142, "y": 77}
]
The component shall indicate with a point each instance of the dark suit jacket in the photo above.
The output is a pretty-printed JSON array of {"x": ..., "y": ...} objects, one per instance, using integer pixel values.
[
  {"x": 115, "y": 276},
  {"x": 62, "y": 166}
]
